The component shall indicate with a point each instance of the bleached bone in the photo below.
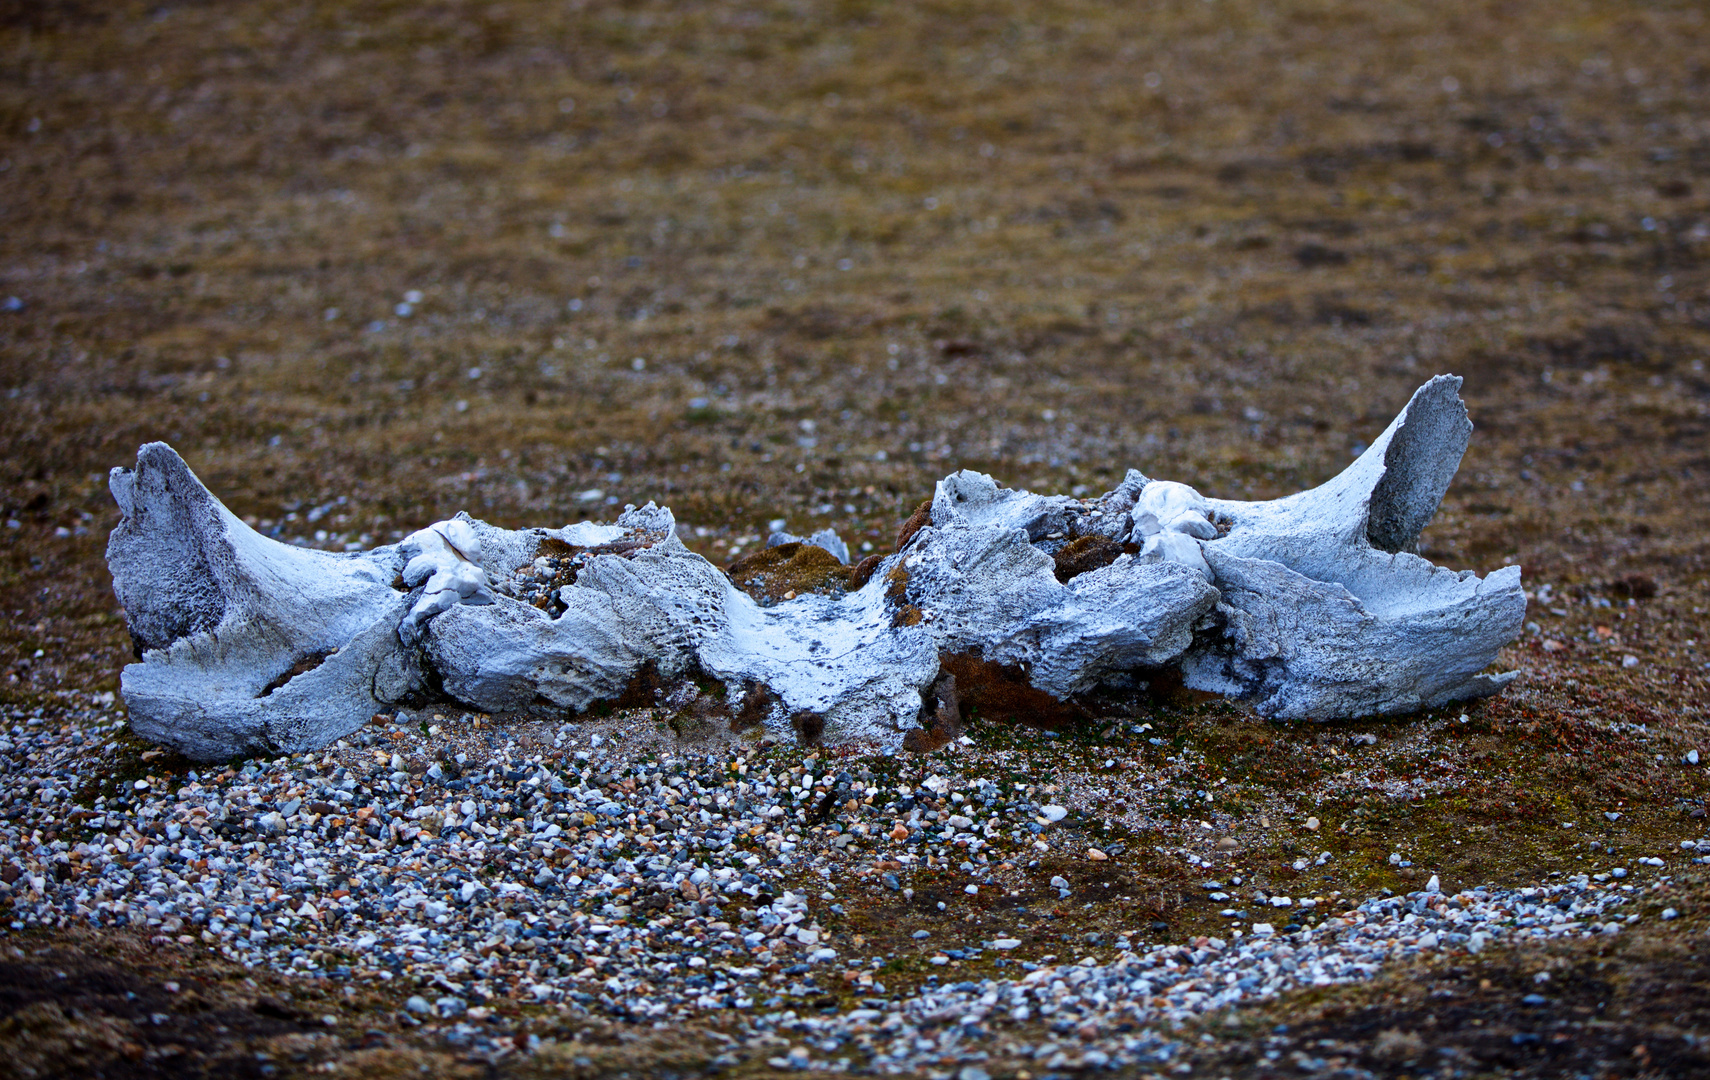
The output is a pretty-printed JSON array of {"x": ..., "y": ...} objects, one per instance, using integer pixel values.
[{"x": 1308, "y": 606}]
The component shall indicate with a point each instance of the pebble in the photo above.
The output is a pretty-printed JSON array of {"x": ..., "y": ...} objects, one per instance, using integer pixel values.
[{"x": 657, "y": 889}]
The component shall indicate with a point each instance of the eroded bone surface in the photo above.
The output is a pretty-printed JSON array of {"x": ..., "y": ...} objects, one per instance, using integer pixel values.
[{"x": 1309, "y": 606}]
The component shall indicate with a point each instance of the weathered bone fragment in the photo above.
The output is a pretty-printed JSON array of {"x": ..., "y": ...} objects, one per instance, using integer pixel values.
[
  {"x": 1326, "y": 610},
  {"x": 1308, "y": 606}
]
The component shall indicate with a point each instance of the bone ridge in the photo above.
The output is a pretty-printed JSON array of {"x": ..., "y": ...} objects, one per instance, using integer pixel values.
[{"x": 1315, "y": 605}]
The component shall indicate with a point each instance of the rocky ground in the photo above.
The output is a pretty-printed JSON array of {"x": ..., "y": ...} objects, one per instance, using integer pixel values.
[{"x": 368, "y": 266}]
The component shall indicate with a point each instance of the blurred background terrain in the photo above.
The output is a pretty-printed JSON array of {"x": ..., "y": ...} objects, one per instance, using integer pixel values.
[{"x": 800, "y": 260}]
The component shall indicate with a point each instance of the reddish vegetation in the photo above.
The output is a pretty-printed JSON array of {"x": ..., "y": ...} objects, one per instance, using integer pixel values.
[
  {"x": 920, "y": 519},
  {"x": 1001, "y": 693},
  {"x": 788, "y": 570},
  {"x": 1086, "y": 553}
]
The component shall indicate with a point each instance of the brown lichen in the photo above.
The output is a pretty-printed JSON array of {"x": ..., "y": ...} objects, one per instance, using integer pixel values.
[
  {"x": 863, "y": 571},
  {"x": 644, "y": 690},
  {"x": 809, "y": 727},
  {"x": 896, "y": 584},
  {"x": 1001, "y": 692},
  {"x": 920, "y": 519},
  {"x": 1086, "y": 553},
  {"x": 787, "y": 571}
]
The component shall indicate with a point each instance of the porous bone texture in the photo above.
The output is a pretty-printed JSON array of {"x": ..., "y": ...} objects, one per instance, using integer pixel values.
[
  {"x": 1325, "y": 609},
  {"x": 983, "y": 586},
  {"x": 222, "y": 616},
  {"x": 1308, "y": 606}
]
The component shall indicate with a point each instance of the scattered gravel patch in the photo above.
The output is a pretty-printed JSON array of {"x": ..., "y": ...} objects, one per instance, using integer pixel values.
[{"x": 598, "y": 869}]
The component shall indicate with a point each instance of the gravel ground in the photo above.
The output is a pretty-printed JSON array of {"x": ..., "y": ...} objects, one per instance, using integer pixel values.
[{"x": 601, "y": 869}]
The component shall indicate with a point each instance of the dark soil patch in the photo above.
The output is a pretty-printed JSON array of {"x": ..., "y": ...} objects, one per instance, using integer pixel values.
[
  {"x": 113, "y": 1005},
  {"x": 1587, "y": 1009}
]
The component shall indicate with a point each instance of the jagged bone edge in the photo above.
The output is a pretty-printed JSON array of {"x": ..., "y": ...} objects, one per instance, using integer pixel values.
[{"x": 1314, "y": 605}]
